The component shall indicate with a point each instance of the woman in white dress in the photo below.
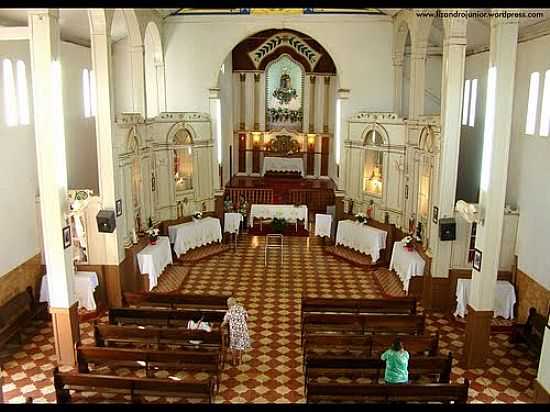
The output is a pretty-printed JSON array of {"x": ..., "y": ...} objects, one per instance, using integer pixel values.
[{"x": 239, "y": 339}]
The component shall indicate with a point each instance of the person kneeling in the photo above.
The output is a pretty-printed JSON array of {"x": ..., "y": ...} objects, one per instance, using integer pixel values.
[{"x": 397, "y": 362}]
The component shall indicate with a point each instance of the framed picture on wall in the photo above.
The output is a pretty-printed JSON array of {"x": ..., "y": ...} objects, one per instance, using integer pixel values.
[
  {"x": 435, "y": 214},
  {"x": 476, "y": 263},
  {"x": 119, "y": 207},
  {"x": 66, "y": 237}
]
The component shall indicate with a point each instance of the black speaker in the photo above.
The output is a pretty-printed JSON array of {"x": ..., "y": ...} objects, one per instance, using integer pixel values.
[
  {"x": 106, "y": 221},
  {"x": 447, "y": 228}
]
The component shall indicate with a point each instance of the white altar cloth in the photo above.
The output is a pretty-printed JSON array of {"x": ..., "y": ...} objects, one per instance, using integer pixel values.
[
  {"x": 85, "y": 284},
  {"x": 323, "y": 224},
  {"x": 153, "y": 259},
  {"x": 283, "y": 164},
  {"x": 194, "y": 234},
  {"x": 288, "y": 212},
  {"x": 406, "y": 264},
  {"x": 505, "y": 298},
  {"x": 363, "y": 238},
  {"x": 232, "y": 222}
]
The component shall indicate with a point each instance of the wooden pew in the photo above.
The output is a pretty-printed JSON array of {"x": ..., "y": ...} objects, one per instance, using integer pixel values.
[
  {"x": 155, "y": 338},
  {"x": 177, "y": 300},
  {"x": 195, "y": 361},
  {"x": 135, "y": 387},
  {"x": 369, "y": 345},
  {"x": 531, "y": 332},
  {"x": 313, "y": 323},
  {"x": 385, "y": 393},
  {"x": 405, "y": 305},
  {"x": 162, "y": 317}
]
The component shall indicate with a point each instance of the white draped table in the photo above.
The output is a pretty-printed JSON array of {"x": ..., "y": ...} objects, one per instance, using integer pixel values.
[
  {"x": 287, "y": 212},
  {"x": 232, "y": 222},
  {"x": 323, "y": 224},
  {"x": 283, "y": 164},
  {"x": 190, "y": 235},
  {"x": 505, "y": 298},
  {"x": 406, "y": 264},
  {"x": 363, "y": 238},
  {"x": 153, "y": 259},
  {"x": 85, "y": 284}
]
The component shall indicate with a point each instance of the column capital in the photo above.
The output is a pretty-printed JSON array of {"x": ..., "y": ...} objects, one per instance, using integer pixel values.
[
  {"x": 242, "y": 76},
  {"x": 397, "y": 59},
  {"x": 214, "y": 93},
  {"x": 508, "y": 16},
  {"x": 312, "y": 79},
  {"x": 136, "y": 49},
  {"x": 256, "y": 77},
  {"x": 343, "y": 94},
  {"x": 327, "y": 80},
  {"x": 455, "y": 31},
  {"x": 54, "y": 13}
]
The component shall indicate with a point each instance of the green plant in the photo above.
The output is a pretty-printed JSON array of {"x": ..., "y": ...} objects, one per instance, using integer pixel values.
[{"x": 278, "y": 225}]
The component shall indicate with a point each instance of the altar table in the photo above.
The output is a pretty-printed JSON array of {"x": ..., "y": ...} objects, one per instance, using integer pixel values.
[
  {"x": 323, "y": 224},
  {"x": 153, "y": 259},
  {"x": 505, "y": 298},
  {"x": 288, "y": 212},
  {"x": 85, "y": 284},
  {"x": 232, "y": 222},
  {"x": 363, "y": 238},
  {"x": 283, "y": 164},
  {"x": 406, "y": 263},
  {"x": 190, "y": 235}
]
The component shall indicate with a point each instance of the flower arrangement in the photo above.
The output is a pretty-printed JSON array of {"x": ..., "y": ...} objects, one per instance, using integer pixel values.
[
  {"x": 408, "y": 243},
  {"x": 284, "y": 115},
  {"x": 197, "y": 215},
  {"x": 278, "y": 225},
  {"x": 361, "y": 217},
  {"x": 153, "y": 234}
]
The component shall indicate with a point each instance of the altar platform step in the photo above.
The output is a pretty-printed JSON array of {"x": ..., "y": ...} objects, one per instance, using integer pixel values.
[
  {"x": 203, "y": 252},
  {"x": 498, "y": 325},
  {"x": 389, "y": 283},
  {"x": 290, "y": 230},
  {"x": 172, "y": 278},
  {"x": 352, "y": 256}
]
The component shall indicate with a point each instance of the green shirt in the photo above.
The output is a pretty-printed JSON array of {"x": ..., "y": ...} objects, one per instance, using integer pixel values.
[{"x": 396, "y": 366}]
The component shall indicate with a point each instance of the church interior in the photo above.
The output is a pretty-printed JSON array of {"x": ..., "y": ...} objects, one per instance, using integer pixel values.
[{"x": 348, "y": 176}]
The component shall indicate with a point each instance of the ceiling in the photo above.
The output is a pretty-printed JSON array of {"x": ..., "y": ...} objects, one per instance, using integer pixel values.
[{"x": 74, "y": 22}]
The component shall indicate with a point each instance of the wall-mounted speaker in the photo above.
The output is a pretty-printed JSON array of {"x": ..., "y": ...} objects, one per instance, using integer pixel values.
[
  {"x": 106, "y": 221},
  {"x": 447, "y": 228}
]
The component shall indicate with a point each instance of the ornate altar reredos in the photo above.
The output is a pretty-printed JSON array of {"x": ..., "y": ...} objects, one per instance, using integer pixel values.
[
  {"x": 284, "y": 93},
  {"x": 283, "y": 142}
]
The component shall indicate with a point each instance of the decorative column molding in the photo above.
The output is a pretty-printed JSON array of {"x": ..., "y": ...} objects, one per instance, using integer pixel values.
[
  {"x": 137, "y": 67},
  {"x": 49, "y": 132},
  {"x": 256, "y": 101},
  {"x": 340, "y": 135},
  {"x": 397, "y": 82},
  {"x": 242, "y": 117},
  {"x": 494, "y": 174},
  {"x": 326, "y": 104},
  {"x": 312, "y": 80},
  {"x": 418, "y": 77},
  {"x": 452, "y": 81},
  {"x": 161, "y": 86}
]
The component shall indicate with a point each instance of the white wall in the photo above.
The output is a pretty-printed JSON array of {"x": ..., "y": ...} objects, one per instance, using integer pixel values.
[
  {"x": 361, "y": 47},
  {"x": 18, "y": 177},
  {"x": 432, "y": 84},
  {"x": 121, "y": 77},
  {"x": 80, "y": 136},
  {"x": 226, "y": 99}
]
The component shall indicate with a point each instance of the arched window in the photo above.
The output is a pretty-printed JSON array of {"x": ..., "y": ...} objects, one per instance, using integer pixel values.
[
  {"x": 22, "y": 93},
  {"x": 183, "y": 160},
  {"x": 10, "y": 99},
  {"x": 373, "y": 168}
]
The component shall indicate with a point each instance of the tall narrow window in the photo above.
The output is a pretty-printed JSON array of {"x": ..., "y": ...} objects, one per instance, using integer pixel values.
[
  {"x": 532, "y": 104},
  {"x": 545, "y": 111},
  {"x": 22, "y": 93},
  {"x": 93, "y": 98},
  {"x": 10, "y": 100},
  {"x": 465, "y": 102},
  {"x": 473, "y": 98},
  {"x": 86, "y": 92}
]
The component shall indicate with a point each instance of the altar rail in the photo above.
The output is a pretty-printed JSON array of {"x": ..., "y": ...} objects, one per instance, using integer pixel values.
[
  {"x": 252, "y": 196},
  {"x": 315, "y": 199}
]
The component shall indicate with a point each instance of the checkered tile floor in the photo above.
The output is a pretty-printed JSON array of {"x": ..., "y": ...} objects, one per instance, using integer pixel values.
[{"x": 272, "y": 368}]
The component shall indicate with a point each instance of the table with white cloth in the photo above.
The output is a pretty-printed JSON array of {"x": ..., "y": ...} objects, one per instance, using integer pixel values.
[
  {"x": 505, "y": 298},
  {"x": 232, "y": 222},
  {"x": 85, "y": 283},
  {"x": 323, "y": 224},
  {"x": 283, "y": 164},
  {"x": 288, "y": 212},
  {"x": 363, "y": 238},
  {"x": 194, "y": 234},
  {"x": 153, "y": 259},
  {"x": 406, "y": 263}
]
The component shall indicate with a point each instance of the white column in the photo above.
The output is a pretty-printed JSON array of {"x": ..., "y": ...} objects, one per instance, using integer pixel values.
[
  {"x": 215, "y": 116},
  {"x": 543, "y": 376},
  {"x": 109, "y": 183},
  {"x": 161, "y": 87},
  {"x": 496, "y": 149},
  {"x": 137, "y": 68},
  {"x": 454, "y": 48},
  {"x": 397, "y": 83},
  {"x": 52, "y": 176},
  {"x": 341, "y": 134},
  {"x": 417, "y": 83}
]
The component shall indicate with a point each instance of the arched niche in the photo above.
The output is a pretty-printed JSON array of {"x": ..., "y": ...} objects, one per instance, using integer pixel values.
[
  {"x": 135, "y": 200},
  {"x": 375, "y": 143},
  {"x": 180, "y": 141},
  {"x": 425, "y": 179},
  {"x": 154, "y": 70}
]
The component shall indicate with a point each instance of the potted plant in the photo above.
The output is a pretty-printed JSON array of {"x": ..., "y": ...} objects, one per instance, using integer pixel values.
[
  {"x": 278, "y": 225},
  {"x": 153, "y": 234},
  {"x": 408, "y": 243}
]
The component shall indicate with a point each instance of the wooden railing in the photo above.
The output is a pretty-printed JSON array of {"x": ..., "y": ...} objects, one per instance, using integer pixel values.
[
  {"x": 316, "y": 200},
  {"x": 252, "y": 196}
]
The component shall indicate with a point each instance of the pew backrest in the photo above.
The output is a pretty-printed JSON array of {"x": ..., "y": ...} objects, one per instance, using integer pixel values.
[
  {"x": 405, "y": 305},
  {"x": 163, "y": 317},
  {"x": 177, "y": 300}
]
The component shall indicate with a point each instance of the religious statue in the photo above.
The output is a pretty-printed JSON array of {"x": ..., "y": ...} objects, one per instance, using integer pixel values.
[
  {"x": 370, "y": 209},
  {"x": 285, "y": 93},
  {"x": 412, "y": 223},
  {"x": 419, "y": 231}
]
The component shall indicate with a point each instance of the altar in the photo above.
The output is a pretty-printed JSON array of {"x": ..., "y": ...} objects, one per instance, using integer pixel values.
[
  {"x": 190, "y": 235},
  {"x": 283, "y": 164},
  {"x": 290, "y": 213},
  {"x": 363, "y": 238},
  {"x": 406, "y": 264}
]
